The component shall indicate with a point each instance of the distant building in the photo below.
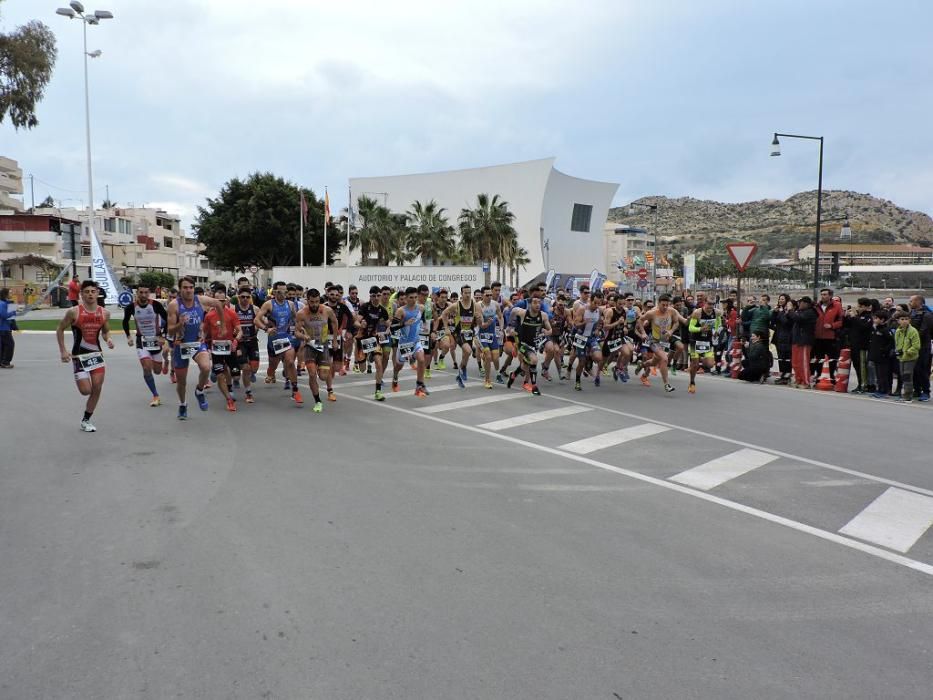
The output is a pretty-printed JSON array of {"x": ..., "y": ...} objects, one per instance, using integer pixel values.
[
  {"x": 622, "y": 242},
  {"x": 559, "y": 219},
  {"x": 842, "y": 258},
  {"x": 11, "y": 183}
]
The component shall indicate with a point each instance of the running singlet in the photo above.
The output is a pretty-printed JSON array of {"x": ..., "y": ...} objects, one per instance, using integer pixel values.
[
  {"x": 193, "y": 317},
  {"x": 316, "y": 328},
  {"x": 283, "y": 317},
  {"x": 246, "y": 317},
  {"x": 86, "y": 330},
  {"x": 376, "y": 318},
  {"x": 465, "y": 316},
  {"x": 212, "y": 321},
  {"x": 412, "y": 327},
  {"x": 659, "y": 325},
  {"x": 591, "y": 318},
  {"x": 148, "y": 323},
  {"x": 701, "y": 330},
  {"x": 529, "y": 328},
  {"x": 489, "y": 314}
]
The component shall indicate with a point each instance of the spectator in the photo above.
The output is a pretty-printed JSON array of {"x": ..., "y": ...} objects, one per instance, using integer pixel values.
[
  {"x": 829, "y": 317},
  {"x": 922, "y": 319},
  {"x": 802, "y": 336},
  {"x": 858, "y": 326},
  {"x": 74, "y": 290},
  {"x": 907, "y": 350},
  {"x": 7, "y": 344},
  {"x": 757, "y": 363},
  {"x": 782, "y": 338},
  {"x": 888, "y": 305},
  {"x": 880, "y": 352}
]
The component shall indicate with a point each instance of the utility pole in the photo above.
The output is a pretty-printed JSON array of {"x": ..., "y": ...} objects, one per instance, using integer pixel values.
[{"x": 32, "y": 193}]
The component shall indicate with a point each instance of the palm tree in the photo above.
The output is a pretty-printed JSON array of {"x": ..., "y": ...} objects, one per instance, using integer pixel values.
[
  {"x": 430, "y": 236},
  {"x": 486, "y": 230},
  {"x": 395, "y": 239},
  {"x": 365, "y": 236}
]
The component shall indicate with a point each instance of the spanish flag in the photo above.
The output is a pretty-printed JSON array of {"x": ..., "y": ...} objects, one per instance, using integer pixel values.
[{"x": 326, "y": 209}]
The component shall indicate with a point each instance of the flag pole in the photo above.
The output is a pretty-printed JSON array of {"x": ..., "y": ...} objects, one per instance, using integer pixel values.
[
  {"x": 301, "y": 228},
  {"x": 349, "y": 219},
  {"x": 324, "y": 264}
]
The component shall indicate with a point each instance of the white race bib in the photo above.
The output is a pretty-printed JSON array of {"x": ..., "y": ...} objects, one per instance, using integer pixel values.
[
  {"x": 466, "y": 334},
  {"x": 702, "y": 346},
  {"x": 151, "y": 344},
  {"x": 383, "y": 338},
  {"x": 280, "y": 345},
  {"x": 579, "y": 341},
  {"x": 486, "y": 338},
  {"x": 90, "y": 361},
  {"x": 367, "y": 344},
  {"x": 189, "y": 350},
  {"x": 614, "y": 344},
  {"x": 405, "y": 350},
  {"x": 441, "y": 334},
  {"x": 316, "y": 345},
  {"x": 425, "y": 338},
  {"x": 222, "y": 347}
]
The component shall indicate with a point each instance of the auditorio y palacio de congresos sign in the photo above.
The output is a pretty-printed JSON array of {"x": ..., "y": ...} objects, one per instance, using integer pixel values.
[{"x": 451, "y": 277}]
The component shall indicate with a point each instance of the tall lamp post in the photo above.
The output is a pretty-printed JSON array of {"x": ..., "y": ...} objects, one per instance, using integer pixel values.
[
  {"x": 776, "y": 151},
  {"x": 654, "y": 266},
  {"x": 76, "y": 11}
]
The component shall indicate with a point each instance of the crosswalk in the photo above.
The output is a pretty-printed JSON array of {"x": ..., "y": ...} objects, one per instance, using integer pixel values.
[{"x": 890, "y": 517}]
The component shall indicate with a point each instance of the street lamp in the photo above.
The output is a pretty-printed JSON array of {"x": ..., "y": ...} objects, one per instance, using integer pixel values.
[
  {"x": 76, "y": 11},
  {"x": 776, "y": 151},
  {"x": 654, "y": 266}
]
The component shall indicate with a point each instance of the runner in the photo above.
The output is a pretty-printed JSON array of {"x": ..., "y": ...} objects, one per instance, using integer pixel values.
[
  {"x": 185, "y": 316},
  {"x": 533, "y": 329},
  {"x": 88, "y": 321},
  {"x": 664, "y": 321},
  {"x": 151, "y": 319},
  {"x": 428, "y": 343},
  {"x": 373, "y": 320},
  {"x": 557, "y": 343},
  {"x": 464, "y": 319},
  {"x": 282, "y": 343},
  {"x": 440, "y": 335},
  {"x": 317, "y": 327},
  {"x": 491, "y": 331},
  {"x": 222, "y": 334},
  {"x": 705, "y": 323},
  {"x": 248, "y": 347},
  {"x": 408, "y": 319},
  {"x": 615, "y": 347},
  {"x": 345, "y": 324},
  {"x": 588, "y": 322}
]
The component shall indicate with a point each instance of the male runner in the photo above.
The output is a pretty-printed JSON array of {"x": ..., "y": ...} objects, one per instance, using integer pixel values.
[
  {"x": 248, "y": 347},
  {"x": 464, "y": 318},
  {"x": 151, "y": 319},
  {"x": 88, "y": 321},
  {"x": 222, "y": 333},
  {"x": 408, "y": 319},
  {"x": 491, "y": 330},
  {"x": 588, "y": 322},
  {"x": 185, "y": 316},
  {"x": 533, "y": 329},
  {"x": 439, "y": 333},
  {"x": 705, "y": 322},
  {"x": 664, "y": 321},
  {"x": 374, "y": 324},
  {"x": 317, "y": 326},
  {"x": 282, "y": 344}
]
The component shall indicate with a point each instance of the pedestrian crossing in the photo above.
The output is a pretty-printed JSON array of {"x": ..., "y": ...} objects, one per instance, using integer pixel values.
[{"x": 893, "y": 518}]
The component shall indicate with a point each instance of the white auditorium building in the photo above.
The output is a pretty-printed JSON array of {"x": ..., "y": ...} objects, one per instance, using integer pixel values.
[{"x": 566, "y": 212}]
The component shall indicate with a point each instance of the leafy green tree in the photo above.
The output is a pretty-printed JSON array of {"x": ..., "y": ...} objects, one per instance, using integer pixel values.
[
  {"x": 256, "y": 222},
  {"x": 487, "y": 231},
  {"x": 27, "y": 56},
  {"x": 47, "y": 203},
  {"x": 156, "y": 278},
  {"x": 430, "y": 236}
]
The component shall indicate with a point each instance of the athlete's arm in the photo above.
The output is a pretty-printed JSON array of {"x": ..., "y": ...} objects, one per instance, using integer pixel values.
[
  {"x": 260, "y": 320},
  {"x": 694, "y": 325},
  {"x": 174, "y": 321},
  {"x": 67, "y": 320},
  {"x": 160, "y": 310},
  {"x": 546, "y": 324},
  {"x": 105, "y": 329}
]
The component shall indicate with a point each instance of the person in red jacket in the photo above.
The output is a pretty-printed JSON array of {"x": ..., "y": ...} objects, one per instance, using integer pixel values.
[{"x": 829, "y": 319}]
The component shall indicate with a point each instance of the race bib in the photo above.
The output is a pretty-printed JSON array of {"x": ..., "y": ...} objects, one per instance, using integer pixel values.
[
  {"x": 151, "y": 344},
  {"x": 280, "y": 345},
  {"x": 405, "y": 350},
  {"x": 189, "y": 350},
  {"x": 91, "y": 361},
  {"x": 614, "y": 345},
  {"x": 486, "y": 338},
  {"x": 396, "y": 334},
  {"x": 222, "y": 347},
  {"x": 466, "y": 334},
  {"x": 579, "y": 341},
  {"x": 441, "y": 334},
  {"x": 425, "y": 338},
  {"x": 702, "y": 346},
  {"x": 628, "y": 340},
  {"x": 540, "y": 342},
  {"x": 316, "y": 345},
  {"x": 367, "y": 344},
  {"x": 383, "y": 338},
  {"x": 665, "y": 345},
  {"x": 500, "y": 336}
]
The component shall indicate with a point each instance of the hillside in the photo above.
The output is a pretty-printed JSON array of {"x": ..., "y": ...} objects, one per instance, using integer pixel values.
[{"x": 779, "y": 227}]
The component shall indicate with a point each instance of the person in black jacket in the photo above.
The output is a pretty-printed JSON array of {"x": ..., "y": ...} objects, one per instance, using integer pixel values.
[
  {"x": 880, "y": 352},
  {"x": 804, "y": 320},
  {"x": 858, "y": 325},
  {"x": 757, "y": 363},
  {"x": 782, "y": 327}
]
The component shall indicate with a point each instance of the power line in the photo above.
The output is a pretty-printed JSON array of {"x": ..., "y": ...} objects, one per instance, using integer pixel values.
[{"x": 60, "y": 189}]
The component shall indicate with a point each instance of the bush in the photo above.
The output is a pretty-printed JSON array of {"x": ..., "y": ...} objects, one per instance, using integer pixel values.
[{"x": 153, "y": 279}]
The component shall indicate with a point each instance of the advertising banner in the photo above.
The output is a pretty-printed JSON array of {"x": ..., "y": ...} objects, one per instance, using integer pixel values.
[
  {"x": 690, "y": 270},
  {"x": 101, "y": 271}
]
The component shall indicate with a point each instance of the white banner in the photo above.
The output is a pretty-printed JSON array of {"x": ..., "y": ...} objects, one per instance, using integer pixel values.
[
  {"x": 449, "y": 277},
  {"x": 690, "y": 270},
  {"x": 101, "y": 271}
]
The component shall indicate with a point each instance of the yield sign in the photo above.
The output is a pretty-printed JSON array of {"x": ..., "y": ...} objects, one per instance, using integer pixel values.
[{"x": 741, "y": 254}]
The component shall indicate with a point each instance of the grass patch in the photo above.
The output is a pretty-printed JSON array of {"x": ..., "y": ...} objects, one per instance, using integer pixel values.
[{"x": 50, "y": 324}]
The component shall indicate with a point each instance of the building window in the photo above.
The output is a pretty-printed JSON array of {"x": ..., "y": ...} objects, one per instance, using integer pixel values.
[
  {"x": 580, "y": 221},
  {"x": 110, "y": 225},
  {"x": 85, "y": 251},
  {"x": 167, "y": 241}
]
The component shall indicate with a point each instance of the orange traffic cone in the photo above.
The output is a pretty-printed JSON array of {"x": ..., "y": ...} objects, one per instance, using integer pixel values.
[
  {"x": 824, "y": 383},
  {"x": 842, "y": 371}
]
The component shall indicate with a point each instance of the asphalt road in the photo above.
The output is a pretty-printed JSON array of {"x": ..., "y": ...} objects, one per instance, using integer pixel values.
[{"x": 745, "y": 542}]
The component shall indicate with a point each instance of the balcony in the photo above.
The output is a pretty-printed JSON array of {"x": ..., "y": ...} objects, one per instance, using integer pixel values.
[{"x": 26, "y": 237}]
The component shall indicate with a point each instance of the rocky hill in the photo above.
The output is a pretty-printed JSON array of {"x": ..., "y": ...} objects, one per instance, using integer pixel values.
[{"x": 779, "y": 227}]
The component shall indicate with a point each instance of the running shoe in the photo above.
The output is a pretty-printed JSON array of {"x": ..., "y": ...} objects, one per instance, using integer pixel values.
[
  {"x": 535, "y": 391},
  {"x": 526, "y": 386},
  {"x": 236, "y": 383},
  {"x": 379, "y": 396},
  {"x": 270, "y": 379},
  {"x": 623, "y": 375},
  {"x": 156, "y": 401},
  {"x": 394, "y": 386},
  {"x": 182, "y": 413},
  {"x": 487, "y": 385},
  {"x": 288, "y": 385},
  {"x": 87, "y": 427},
  {"x": 318, "y": 407},
  {"x": 615, "y": 374},
  {"x": 331, "y": 396},
  {"x": 441, "y": 364},
  {"x": 577, "y": 387},
  {"x": 596, "y": 381},
  {"x": 673, "y": 370},
  {"x": 924, "y": 397},
  {"x": 202, "y": 399},
  {"x": 692, "y": 389},
  {"x": 654, "y": 371},
  {"x": 455, "y": 365},
  {"x": 357, "y": 370},
  {"x": 249, "y": 397},
  {"x": 296, "y": 397},
  {"x": 511, "y": 380},
  {"x": 421, "y": 392},
  {"x": 668, "y": 388},
  {"x": 460, "y": 381},
  {"x": 645, "y": 380},
  {"x": 427, "y": 372},
  {"x": 231, "y": 405}
]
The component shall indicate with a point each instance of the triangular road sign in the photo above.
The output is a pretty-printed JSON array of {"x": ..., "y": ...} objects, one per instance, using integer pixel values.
[{"x": 741, "y": 254}]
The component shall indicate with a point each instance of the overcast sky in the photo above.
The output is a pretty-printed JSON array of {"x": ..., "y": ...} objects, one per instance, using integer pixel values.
[{"x": 675, "y": 98}]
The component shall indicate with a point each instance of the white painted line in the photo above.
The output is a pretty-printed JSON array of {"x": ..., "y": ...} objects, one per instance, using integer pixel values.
[
  {"x": 878, "y": 552},
  {"x": 896, "y": 520},
  {"x": 468, "y": 403},
  {"x": 386, "y": 379},
  {"x": 719, "y": 471},
  {"x": 530, "y": 418},
  {"x": 616, "y": 437},
  {"x": 409, "y": 394}
]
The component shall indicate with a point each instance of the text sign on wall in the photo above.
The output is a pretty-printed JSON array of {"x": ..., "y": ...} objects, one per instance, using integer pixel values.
[{"x": 364, "y": 277}]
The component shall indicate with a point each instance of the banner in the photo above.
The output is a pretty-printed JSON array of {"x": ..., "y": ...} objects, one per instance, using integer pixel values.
[
  {"x": 594, "y": 278},
  {"x": 449, "y": 277},
  {"x": 690, "y": 270},
  {"x": 101, "y": 272},
  {"x": 549, "y": 280}
]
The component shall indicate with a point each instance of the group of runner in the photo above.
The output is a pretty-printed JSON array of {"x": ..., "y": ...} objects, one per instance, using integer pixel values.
[{"x": 512, "y": 338}]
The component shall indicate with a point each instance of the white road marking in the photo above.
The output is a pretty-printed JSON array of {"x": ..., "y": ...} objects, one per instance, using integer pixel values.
[
  {"x": 833, "y": 537},
  {"x": 836, "y": 482},
  {"x": 718, "y": 471},
  {"x": 529, "y": 418},
  {"x": 468, "y": 403},
  {"x": 387, "y": 379},
  {"x": 896, "y": 519},
  {"x": 433, "y": 390},
  {"x": 615, "y": 437}
]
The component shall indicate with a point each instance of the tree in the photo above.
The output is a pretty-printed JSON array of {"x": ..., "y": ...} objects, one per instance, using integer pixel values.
[
  {"x": 47, "y": 203},
  {"x": 27, "y": 56},
  {"x": 255, "y": 222},
  {"x": 486, "y": 230},
  {"x": 107, "y": 204},
  {"x": 155, "y": 278},
  {"x": 430, "y": 236},
  {"x": 380, "y": 234}
]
